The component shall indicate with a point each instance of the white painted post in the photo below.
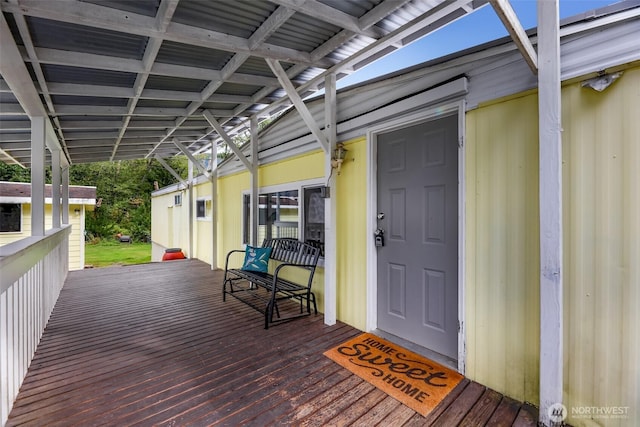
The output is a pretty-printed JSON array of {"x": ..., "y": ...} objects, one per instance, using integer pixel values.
[
  {"x": 38, "y": 141},
  {"x": 65, "y": 195},
  {"x": 330, "y": 218},
  {"x": 254, "y": 181},
  {"x": 214, "y": 205},
  {"x": 550, "y": 139},
  {"x": 55, "y": 188},
  {"x": 190, "y": 208}
]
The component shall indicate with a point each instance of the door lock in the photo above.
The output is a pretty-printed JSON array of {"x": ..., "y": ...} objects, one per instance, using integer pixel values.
[{"x": 378, "y": 236}]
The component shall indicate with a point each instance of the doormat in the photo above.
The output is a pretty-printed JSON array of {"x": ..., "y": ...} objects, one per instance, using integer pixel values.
[{"x": 412, "y": 379}]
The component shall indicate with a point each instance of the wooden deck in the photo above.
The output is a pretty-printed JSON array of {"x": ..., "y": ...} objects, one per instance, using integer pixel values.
[{"x": 155, "y": 345}]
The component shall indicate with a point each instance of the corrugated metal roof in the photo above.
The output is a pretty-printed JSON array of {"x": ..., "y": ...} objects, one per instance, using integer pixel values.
[
  {"x": 101, "y": 69},
  {"x": 100, "y": 65}
]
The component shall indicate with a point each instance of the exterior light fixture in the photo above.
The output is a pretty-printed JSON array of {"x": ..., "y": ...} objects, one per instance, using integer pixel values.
[
  {"x": 338, "y": 157},
  {"x": 601, "y": 82}
]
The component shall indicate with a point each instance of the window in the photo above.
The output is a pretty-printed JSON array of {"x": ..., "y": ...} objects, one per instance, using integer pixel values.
[
  {"x": 280, "y": 214},
  {"x": 313, "y": 224},
  {"x": 10, "y": 217},
  {"x": 177, "y": 200},
  {"x": 203, "y": 208},
  {"x": 277, "y": 215}
]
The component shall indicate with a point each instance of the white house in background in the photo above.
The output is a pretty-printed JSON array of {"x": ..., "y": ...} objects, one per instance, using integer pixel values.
[{"x": 15, "y": 215}]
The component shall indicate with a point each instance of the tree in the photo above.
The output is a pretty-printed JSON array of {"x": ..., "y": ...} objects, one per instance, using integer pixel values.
[
  {"x": 14, "y": 173},
  {"x": 124, "y": 191}
]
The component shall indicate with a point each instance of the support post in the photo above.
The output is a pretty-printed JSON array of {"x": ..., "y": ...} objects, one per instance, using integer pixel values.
[
  {"x": 550, "y": 139},
  {"x": 330, "y": 218},
  {"x": 254, "y": 181},
  {"x": 214, "y": 206},
  {"x": 65, "y": 195},
  {"x": 190, "y": 209},
  {"x": 55, "y": 188},
  {"x": 38, "y": 141}
]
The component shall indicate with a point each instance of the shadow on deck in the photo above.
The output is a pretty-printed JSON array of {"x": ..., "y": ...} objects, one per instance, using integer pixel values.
[{"x": 155, "y": 345}]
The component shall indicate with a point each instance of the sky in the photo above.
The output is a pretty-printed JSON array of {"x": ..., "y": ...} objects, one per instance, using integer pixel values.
[{"x": 476, "y": 28}]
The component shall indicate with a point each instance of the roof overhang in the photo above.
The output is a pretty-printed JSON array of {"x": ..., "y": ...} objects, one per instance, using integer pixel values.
[{"x": 123, "y": 80}]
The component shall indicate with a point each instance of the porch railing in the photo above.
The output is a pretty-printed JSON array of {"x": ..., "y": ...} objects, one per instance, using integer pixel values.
[{"x": 33, "y": 272}]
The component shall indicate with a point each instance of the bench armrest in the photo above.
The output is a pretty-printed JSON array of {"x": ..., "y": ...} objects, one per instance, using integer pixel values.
[
  {"x": 226, "y": 264},
  {"x": 310, "y": 267}
]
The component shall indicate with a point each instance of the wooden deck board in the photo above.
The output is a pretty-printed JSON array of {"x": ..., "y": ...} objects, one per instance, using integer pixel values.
[{"x": 155, "y": 345}]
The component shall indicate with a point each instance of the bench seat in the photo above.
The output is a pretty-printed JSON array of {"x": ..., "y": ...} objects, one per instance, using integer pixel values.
[{"x": 263, "y": 291}]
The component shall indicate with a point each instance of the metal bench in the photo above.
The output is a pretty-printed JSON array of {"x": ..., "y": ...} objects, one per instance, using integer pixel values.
[{"x": 250, "y": 286}]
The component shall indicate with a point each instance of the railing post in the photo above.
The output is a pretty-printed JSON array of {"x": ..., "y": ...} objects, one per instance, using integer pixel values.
[
  {"x": 38, "y": 140},
  {"x": 65, "y": 195},
  {"x": 55, "y": 188}
]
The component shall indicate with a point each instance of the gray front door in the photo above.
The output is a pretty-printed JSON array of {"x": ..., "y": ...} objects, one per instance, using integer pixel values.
[{"x": 417, "y": 179}]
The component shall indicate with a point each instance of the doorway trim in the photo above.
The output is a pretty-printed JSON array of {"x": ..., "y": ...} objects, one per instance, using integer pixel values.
[{"x": 458, "y": 108}]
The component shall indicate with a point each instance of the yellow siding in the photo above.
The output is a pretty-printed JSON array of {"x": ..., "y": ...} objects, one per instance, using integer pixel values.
[
  {"x": 351, "y": 197},
  {"x": 76, "y": 238},
  {"x": 601, "y": 149},
  {"x": 170, "y": 225},
  {"x": 229, "y": 224},
  {"x": 502, "y": 249},
  {"x": 160, "y": 214},
  {"x": 601, "y": 211},
  {"x": 299, "y": 168},
  {"x": 202, "y": 230}
]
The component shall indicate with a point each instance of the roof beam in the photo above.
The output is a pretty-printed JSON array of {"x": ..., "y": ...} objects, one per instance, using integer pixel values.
[
  {"x": 163, "y": 18},
  {"x": 9, "y": 159},
  {"x": 511, "y": 22},
  {"x": 278, "y": 18},
  {"x": 299, "y": 104},
  {"x": 92, "y": 15},
  {"x": 218, "y": 127},
  {"x": 190, "y": 156},
  {"x": 327, "y": 14},
  {"x": 15, "y": 74},
  {"x": 170, "y": 170}
]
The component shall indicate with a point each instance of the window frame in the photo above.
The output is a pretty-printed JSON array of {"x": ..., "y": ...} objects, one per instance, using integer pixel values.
[
  {"x": 300, "y": 186},
  {"x": 207, "y": 209},
  {"x": 20, "y": 219}
]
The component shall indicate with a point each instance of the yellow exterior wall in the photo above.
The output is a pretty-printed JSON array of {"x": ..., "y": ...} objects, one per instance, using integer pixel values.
[
  {"x": 601, "y": 215},
  {"x": 202, "y": 229},
  {"x": 502, "y": 247},
  {"x": 76, "y": 238},
  {"x": 351, "y": 188},
  {"x": 351, "y": 198},
  {"x": 229, "y": 224},
  {"x": 170, "y": 224},
  {"x": 601, "y": 151}
]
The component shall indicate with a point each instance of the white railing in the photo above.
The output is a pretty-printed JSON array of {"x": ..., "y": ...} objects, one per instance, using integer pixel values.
[{"x": 33, "y": 271}]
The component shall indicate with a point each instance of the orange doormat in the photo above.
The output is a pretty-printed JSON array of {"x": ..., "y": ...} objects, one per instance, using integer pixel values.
[{"x": 412, "y": 379}]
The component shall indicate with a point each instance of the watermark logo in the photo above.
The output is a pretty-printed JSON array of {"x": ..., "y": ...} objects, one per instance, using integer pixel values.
[
  {"x": 557, "y": 413},
  {"x": 600, "y": 412}
]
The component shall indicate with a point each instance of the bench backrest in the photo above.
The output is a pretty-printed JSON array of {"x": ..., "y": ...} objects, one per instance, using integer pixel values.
[{"x": 292, "y": 251}]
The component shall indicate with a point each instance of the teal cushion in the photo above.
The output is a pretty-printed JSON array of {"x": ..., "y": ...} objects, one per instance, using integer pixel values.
[{"x": 256, "y": 259}]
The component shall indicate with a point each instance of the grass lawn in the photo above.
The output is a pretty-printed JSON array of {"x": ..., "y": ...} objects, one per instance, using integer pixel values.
[{"x": 108, "y": 253}]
